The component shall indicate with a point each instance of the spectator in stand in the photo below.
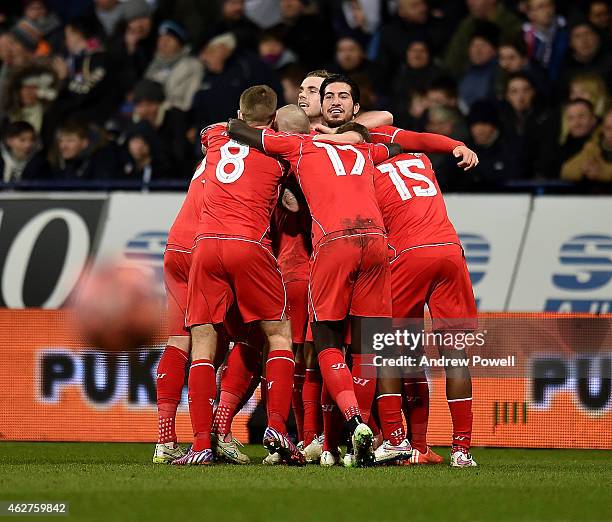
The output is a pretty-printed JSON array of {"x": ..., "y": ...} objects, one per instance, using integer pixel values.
[
  {"x": 19, "y": 47},
  {"x": 308, "y": 35},
  {"x": 418, "y": 70},
  {"x": 233, "y": 20},
  {"x": 197, "y": 16},
  {"x": 594, "y": 161},
  {"x": 351, "y": 60},
  {"x": 590, "y": 87},
  {"x": 449, "y": 122},
  {"x": 530, "y": 126},
  {"x": 478, "y": 82},
  {"x": 577, "y": 126},
  {"x": 359, "y": 17},
  {"x": 29, "y": 94},
  {"x": 80, "y": 154},
  {"x": 143, "y": 162},
  {"x": 173, "y": 66},
  {"x": 168, "y": 124},
  {"x": 599, "y": 16},
  {"x": 227, "y": 72},
  {"x": 291, "y": 79},
  {"x": 498, "y": 161},
  {"x": 546, "y": 36},
  {"x": 86, "y": 93},
  {"x": 273, "y": 52},
  {"x": 511, "y": 59},
  {"x": 587, "y": 54},
  {"x": 413, "y": 22},
  {"x": 492, "y": 11},
  {"x": 134, "y": 44},
  {"x": 442, "y": 91},
  {"x": 108, "y": 14},
  {"x": 20, "y": 157},
  {"x": 48, "y": 23}
]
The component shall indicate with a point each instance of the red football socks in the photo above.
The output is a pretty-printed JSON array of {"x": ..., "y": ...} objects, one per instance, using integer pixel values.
[
  {"x": 311, "y": 396},
  {"x": 296, "y": 399},
  {"x": 279, "y": 380},
  {"x": 333, "y": 422},
  {"x": 202, "y": 391},
  {"x": 236, "y": 380},
  {"x": 461, "y": 414},
  {"x": 170, "y": 380},
  {"x": 364, "y": 382},
  {"x": 416, "y": 393},
  {"x": 339, "y": 381},
  {"x": 390, "y": 416}
]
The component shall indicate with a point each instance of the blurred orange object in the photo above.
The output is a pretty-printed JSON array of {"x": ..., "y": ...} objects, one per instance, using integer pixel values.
[{"x": 117, "y": 307}]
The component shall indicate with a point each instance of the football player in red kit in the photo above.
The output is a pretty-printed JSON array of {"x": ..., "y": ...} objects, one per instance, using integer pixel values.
[
  {"x": 349, "y": 274},
  {"x": 427, "y": 268},
  {"x": 241, "y": 373},
  {"x": 233, "y": 262}
]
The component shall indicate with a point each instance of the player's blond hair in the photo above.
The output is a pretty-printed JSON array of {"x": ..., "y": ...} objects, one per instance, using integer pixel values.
[
  {"x": 319, "y": 73},
  {"x": 258, "y": 105}
]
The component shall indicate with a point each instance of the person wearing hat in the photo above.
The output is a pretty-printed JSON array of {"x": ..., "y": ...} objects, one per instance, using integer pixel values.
[
  {"x": 479, "y": 80},
  {"x": 133, "y": 44},
  {"x": 47, "y": 22},
  {"x": 167, "y": 123},
  {"x": 173, "y": 66},
  {"x": 498, "y": 155}
]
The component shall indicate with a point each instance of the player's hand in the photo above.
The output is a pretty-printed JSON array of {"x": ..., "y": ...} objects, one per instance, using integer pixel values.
[
  {"x": 323, "y": 129},
  {"x": 289, "y": 201},
  {"x": 468, "y": 158}
]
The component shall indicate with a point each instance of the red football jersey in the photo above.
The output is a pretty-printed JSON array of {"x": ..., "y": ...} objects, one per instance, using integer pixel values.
[
  {"x": 337, "y": 180},
  {"x": 183, "y": 230},
  {"x": 291, "y": 240},
  {"x": 414, "y": 141},
  {"x": 411, "y": 203},
  {"x": 242, "y": 187}
]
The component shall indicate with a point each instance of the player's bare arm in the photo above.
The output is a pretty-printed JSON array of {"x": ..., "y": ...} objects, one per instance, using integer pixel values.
[
  {"x": 372, "y": 119},
  {"x": 241, "y": 131}
]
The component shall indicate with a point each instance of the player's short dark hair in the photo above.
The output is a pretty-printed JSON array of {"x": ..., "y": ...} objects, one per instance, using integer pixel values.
[
  {"x": 258, "y": 104},
  {"x": 340, "y": 78},
  {"x": 580, "y": 101},
  {"x": 17, "y": 128},
  {"x": 355, "y": 127},
  {"x": 319, "y": 73}
]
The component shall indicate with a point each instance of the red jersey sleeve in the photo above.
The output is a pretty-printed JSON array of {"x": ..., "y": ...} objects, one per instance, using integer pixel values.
[
  {"x": 284, "y": 144},
  {"x": 415, "y": 141},
  {"x": 210, "y": 131},
  {"x": 378, "y": 152}
]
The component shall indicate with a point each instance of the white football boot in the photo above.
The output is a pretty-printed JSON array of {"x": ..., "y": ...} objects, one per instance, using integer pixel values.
[
  {"x": 314, "y": 450},
  {"x": 272, "y": 459},
  {"x": 329, "y": 459},
  {"x": 349, "y": 460},
  {"x": 461, "y": 458},
  {"x": 228, "y": 450},
  {"x": 165, "y": 453},
  {"x": 387, "y": 452}
]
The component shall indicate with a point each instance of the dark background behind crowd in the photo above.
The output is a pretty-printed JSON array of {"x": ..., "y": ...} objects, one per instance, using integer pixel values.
[{"x": 103, "y": 93}]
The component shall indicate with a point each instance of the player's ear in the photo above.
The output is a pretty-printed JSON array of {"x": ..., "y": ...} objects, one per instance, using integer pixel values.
[
  {"x": 239, "y": 115},
  {"x": 356, "y": 109}
]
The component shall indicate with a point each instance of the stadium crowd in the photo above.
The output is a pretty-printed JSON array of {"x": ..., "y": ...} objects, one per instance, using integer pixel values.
[{"x": 107, "y": 91}]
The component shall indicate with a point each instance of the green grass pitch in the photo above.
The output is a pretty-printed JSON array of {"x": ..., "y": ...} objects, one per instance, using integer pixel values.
[{"x": 111, "y": 482}]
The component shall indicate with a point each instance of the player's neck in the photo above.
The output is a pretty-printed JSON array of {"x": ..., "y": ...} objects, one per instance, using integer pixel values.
[{"x": 317, "y": 120}]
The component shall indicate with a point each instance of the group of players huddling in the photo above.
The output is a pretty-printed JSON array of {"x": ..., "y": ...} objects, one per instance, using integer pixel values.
[{"x": 301, "y": 213}]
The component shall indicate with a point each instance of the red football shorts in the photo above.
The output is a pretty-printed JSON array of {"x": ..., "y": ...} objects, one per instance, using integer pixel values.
[
  {"x": 436, "y": 276},
  {"x": 297, "y": 298},
  {"x": 350, "y": 275},
  {"x": 226, "y": 269},
  {"x": 176, "y": 275}
]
